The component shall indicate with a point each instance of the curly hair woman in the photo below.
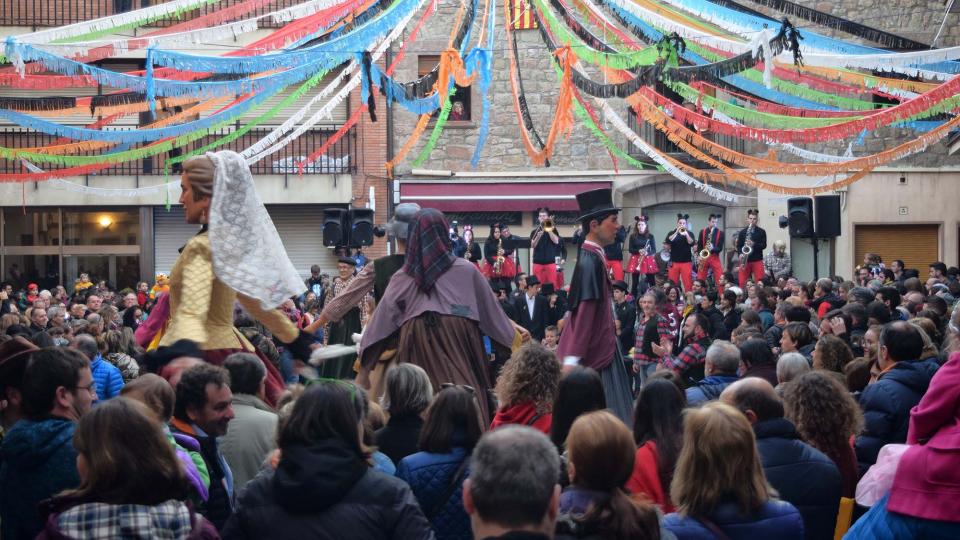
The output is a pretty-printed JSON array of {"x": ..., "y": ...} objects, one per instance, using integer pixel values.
[
  {"x": 826, "y": 417},
  {"x": 527, "y": 388},
  {"x": 831, "y": 354}
]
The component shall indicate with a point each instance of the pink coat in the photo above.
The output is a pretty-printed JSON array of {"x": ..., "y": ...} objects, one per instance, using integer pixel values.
[{"x": 927, "y": 483}]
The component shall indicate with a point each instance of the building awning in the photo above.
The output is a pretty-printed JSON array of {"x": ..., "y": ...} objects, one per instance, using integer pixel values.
[{"x": 493, "y": 196}]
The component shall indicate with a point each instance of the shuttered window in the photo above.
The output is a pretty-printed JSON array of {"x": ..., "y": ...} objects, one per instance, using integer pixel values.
[
  {"x": 299, "y": 226},
  {"x": 917, "y": 245}
]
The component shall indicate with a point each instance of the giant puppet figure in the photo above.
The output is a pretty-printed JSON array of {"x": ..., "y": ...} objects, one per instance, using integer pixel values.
[
  {"x": 236, "y": 256},
  {"x": 589, "y": 336}
]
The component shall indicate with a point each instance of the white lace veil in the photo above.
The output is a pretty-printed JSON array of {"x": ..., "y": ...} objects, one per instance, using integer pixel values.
[{"x": 247, "y": 252}]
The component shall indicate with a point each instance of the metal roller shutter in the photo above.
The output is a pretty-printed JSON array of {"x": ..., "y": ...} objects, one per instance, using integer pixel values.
[
  {"x": 917, "y": 245},
  {"x": 300, "y": 229}
]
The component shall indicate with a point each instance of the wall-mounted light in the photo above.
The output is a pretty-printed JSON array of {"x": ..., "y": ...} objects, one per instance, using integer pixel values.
[{"x": 105, "y": 221}]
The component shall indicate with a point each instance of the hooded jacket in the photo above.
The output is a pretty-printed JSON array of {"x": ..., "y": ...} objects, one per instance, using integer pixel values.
[
  {"x": 886, "y": 407},
  {"x": 801, "y": 474},
  {"x": 774, "y": 519},
  {"x": 326, "y": 491},
  {"x": 523, "y": 414},
  {"x": 39, "y": 461},
  {"x": 709, "y": 389}
]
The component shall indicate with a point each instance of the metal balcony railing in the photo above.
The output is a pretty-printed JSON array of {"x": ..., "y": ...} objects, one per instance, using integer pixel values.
[
  {"x": 339, "y": 158},
  {"x": 40, "y": 13}
]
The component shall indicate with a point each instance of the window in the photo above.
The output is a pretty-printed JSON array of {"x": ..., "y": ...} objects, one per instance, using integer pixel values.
[
  {"x": 35, "y": 228},
  {"x": 461, "y": 110},
  {"x": 107, "y": 227}
]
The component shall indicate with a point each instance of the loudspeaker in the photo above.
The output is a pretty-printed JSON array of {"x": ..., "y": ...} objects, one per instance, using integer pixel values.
[
  {"x": 335, "y": 227},
  {"x": 361, "y": 227},
  {"x": 828, "y": 216},
  {"x": 800, "y": 216}
]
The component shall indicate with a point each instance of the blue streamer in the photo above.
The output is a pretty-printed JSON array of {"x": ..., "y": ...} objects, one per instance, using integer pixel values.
[
  {"x": 860, "y": 139},
  {"x": 358, "y": 20},
  {"x": 151, "y": 87},
  {"x": 484, "y": 63}
]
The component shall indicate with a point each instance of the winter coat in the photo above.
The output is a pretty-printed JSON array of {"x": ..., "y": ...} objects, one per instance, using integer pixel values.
[
  {"x": 220, "y": 500},
  {"x": 399, "y": 438},
  {"x": 129, "y": 369},
  {"x": 523, "y": 414},
  {"x": 927, "y": 483},
  {"x": 730, "y": 322},
  {"x": 250, "y": 438},
  {"x": 431, "y": 476},
  {"x": 574, "y": 505},
  {"x": 108, "y": 378},
  {"x": 764, "y": 371},
  {"x": 880, "y": 523},
  {"x": 188, "y": 452},
  {"x": 39, "y": 461},
  {"x": 774, "y": 519},
  {"x": 886, "y": 407},
  {"x": 717, "y": 328},
  {"x": 325, "y": 491},
  {"x": 173, "y": 520},
  {"x": 801, "y": 474},
  {"x": 709, "y": 389}
]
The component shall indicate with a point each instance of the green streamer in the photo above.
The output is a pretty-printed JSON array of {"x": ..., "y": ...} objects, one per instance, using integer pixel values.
[
  {"x": 437, "y": 130},
  {"x": 178, "y": 14}
]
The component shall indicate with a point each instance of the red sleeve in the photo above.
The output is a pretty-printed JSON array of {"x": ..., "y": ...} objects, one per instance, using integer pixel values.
[
  {"x": 823, "y": 309},
  {"x": 938, "y": 406},
  {"x": 644, "y": 482}
]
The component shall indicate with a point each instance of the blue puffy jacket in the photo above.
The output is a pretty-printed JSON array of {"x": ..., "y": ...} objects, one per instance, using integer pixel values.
[
  {"x": 430, "y": 476},
  {"x": 886, "y": 407},
  {"x": 108, "y": 378},
  {"x": 801, "y": 474},
  {"x": 775, "y": 519},
  {"x": 709, "y": 389}
]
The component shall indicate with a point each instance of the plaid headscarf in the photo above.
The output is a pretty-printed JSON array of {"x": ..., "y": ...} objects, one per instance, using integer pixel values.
[{"x": 428, "y": 249}]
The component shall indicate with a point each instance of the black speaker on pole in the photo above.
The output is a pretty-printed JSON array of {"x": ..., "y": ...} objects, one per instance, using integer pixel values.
[
  {"x": 827, "y": 216},
  {"x": 361, "y": 227},
  {"x": 335, "y": 227},
  {"x": 800, "y": 216}
]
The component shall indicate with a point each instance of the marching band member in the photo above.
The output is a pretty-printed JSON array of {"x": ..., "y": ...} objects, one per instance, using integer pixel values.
[
  {"x": 681, "y": 242},
  {"x": 643, "y": 247},
  {"x": 471, "y": 249},
  {"x": 750, "y": 244},
  {"x": 547, "y": 246},
  {"x": 711, "y": 240},
  {"x": 498, "y": 265},
  {"x": 614, "y": 254}
]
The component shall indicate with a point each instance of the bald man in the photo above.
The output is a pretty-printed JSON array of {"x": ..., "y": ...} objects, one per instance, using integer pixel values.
[{"x": 803, "y": 475}]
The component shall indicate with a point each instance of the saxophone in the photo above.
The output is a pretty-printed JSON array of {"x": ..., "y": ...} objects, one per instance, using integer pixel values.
[{"x": 498, "y": 263}]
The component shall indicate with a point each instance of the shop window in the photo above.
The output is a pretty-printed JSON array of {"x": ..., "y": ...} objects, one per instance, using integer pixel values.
[
  {"x": 44, "y": 270},
  {"x": 101, "y": 227},
  {"x": 33, "y": 228},
  {"x": 461, "y": 98}
]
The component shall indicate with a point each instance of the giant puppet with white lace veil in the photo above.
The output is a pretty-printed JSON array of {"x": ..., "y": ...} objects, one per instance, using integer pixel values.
[{"x": 236, "y": 256}]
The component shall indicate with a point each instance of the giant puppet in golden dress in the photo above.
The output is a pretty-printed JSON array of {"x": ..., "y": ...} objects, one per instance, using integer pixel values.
[{"x": 236, "y": 256}]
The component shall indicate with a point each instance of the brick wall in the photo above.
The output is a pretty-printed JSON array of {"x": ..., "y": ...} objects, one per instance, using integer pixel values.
[{"x": 370, "y": 155}]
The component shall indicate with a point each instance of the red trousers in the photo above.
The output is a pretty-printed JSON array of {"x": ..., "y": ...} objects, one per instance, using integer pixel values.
[
  {"x": 752, "y": 267},
  {"x": 615, "y": 268},
  {"x": 713, "y": 263},
  {"x": 683, "y": 270},
  {"x": 547, "y": 273}
]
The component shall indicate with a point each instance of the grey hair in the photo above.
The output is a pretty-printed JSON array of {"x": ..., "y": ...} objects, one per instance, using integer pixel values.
[
  {"x": 408, "y": 390},
  {"x": 513, "y": 475},
  {"x": 791, "y": 366},
  {"x": 724, "y": 356},
  {"x": 825, "y": 284},
  {"x": 53, "y": 311},
  {"x": 87, "y": 345}
]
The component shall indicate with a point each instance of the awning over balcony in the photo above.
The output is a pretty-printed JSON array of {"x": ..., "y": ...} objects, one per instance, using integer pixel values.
[{"x": 496, "y": 194}]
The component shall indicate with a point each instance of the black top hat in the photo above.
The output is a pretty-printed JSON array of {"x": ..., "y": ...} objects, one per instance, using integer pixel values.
[
  {"x": 547, "y": 289},
  {"x": 532, "y": 280},
  {"x": 596, "y": 203},
  {"x": 622, "y": 285}
]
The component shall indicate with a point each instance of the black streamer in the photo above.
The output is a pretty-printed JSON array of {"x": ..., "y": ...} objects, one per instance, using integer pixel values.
[
  {"x": 371, "y": 98},
  {"x": 522, "y": 96},
  {"x": 37, "y": 103}
]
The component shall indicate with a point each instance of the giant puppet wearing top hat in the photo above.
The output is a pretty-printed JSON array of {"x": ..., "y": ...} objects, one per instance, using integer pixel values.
[{"x": 589, "y": 335}]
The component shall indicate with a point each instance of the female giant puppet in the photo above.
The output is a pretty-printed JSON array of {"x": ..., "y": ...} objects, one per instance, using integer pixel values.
[{"x": 236, "y": 256}]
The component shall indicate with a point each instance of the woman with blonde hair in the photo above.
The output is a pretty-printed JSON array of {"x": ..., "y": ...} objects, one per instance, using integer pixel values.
[
  {"x": 527, "y": 388},
  {"x": 600, "y": 450},
  {"x": 719, "y": 487}
]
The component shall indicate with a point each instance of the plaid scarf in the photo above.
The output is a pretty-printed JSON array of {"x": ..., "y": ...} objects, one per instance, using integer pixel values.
[{"x": 428, "y": 249}]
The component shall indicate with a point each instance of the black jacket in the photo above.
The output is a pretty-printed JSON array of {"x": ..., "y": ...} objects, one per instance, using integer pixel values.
[
  {"x": 398, "y": 439},
  {"x": 730, "y": 322},
  {"x": 627, "y": 315},
  {"x": 541, "y": 315},
  {"x": 886, "y": 407},
  {"x": 717, "y": 329},
  {"x": 326, "y": 492},
  {"x": 759, "y": 238},
  {"x": 803, "y": 476}
]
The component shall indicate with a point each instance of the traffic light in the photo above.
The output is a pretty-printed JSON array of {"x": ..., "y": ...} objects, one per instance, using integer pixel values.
[{"x": 800, "y": 216}]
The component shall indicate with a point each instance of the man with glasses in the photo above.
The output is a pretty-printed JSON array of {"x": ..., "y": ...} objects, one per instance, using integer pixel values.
[{"x": 39, "y": 459}]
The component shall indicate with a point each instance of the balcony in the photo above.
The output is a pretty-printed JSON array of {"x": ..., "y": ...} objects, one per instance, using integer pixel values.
[
  {"x": 44, "y": 13},
  {"x": 340, "y": 158}
]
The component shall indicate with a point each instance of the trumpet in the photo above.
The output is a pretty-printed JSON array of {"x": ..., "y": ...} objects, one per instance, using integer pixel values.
[
  {"x": 682, "y": 231},
  {"x": 548, "y": 226}
]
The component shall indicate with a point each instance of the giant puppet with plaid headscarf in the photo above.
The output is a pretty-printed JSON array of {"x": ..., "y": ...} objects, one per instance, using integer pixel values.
[{"x": 435, "y": 312}]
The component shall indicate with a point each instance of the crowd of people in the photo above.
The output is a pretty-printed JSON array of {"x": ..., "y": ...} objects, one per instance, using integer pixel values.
[{"x": 467, "y": 410}]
